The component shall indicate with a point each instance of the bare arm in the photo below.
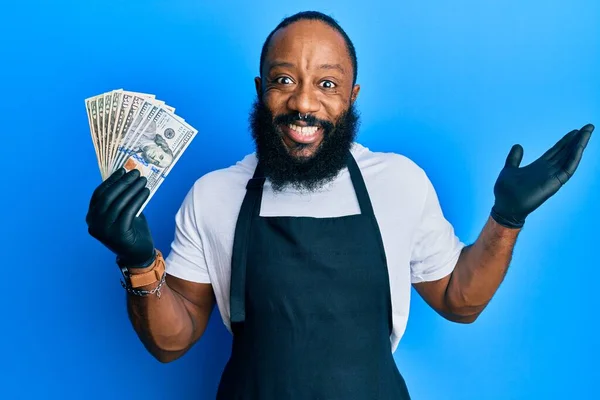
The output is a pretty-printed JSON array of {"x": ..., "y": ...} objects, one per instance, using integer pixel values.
[
  {"x": 518, "y": 191},
  {"x": 168, "y": 326},
  {"x": 481, "y": 267}
]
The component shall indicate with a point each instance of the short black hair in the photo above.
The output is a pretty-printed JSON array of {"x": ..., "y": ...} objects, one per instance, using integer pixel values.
[{"x": 312, "y": 15}]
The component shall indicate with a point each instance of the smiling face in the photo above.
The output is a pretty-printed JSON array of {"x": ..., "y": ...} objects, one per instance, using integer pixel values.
[{"x": 308, "y": 71}]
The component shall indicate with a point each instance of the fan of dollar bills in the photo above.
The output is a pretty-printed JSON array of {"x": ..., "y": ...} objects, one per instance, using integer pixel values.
[{"x": 137, "y": 131}]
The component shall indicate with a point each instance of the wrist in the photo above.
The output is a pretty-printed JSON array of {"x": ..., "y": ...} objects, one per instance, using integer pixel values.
[
  {"x": 133, "y": 265},
  {"x": 143, "y": 278},
  {"x": 141, "y": 270},
  {"x": 507, "y": 221}
]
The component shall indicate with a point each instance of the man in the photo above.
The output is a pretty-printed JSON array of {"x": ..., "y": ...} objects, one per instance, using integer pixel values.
[{"x": 309, "y": 246}]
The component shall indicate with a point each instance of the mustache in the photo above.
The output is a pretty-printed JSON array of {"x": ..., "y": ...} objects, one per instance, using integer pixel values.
[{"x": 287, "y": 119}]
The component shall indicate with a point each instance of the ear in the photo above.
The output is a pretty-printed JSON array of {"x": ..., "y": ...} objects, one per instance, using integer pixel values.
[
  {"x": 258, "y": 85},
  {"x": 354, "y": 94}
]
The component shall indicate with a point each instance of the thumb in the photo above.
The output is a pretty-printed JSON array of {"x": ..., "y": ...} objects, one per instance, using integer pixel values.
[{"x": 514, "y": 156}]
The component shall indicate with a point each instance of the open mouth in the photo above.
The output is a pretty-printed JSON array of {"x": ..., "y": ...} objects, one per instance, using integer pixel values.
[{"x": 302, "y": 134}]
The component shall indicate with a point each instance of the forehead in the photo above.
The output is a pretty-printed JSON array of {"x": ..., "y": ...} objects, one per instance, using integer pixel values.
[{"x": 306, "y": 43}]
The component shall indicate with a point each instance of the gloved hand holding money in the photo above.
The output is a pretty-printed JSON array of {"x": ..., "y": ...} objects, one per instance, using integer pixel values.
[
  {"x": 136, "y": 131},
  {"x": 111, "y": 218}
]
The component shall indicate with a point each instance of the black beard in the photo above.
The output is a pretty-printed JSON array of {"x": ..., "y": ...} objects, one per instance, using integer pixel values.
[{"x": 307, "y": 173}]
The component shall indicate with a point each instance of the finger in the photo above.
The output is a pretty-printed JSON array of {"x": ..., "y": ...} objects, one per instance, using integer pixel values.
[
  {"x": 567, "y": 150},
  {"x": 563, "y": 143},
  {"x": 587, "y": 130},
  {"x": 114, "y": 177},
  {"x": 114, "y": 191},
  {"x": 121, "y": 202},
  {"x": 515, "y": 156},
  {"x": 133, "y": 207},
  {"x": 572, "y": 162},
  {"x": 559, "y": 158},
  {"x": 562, "y": 176}
]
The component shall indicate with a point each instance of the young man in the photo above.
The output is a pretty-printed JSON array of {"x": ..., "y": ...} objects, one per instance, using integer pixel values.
[{"x": 310, "y": 246}]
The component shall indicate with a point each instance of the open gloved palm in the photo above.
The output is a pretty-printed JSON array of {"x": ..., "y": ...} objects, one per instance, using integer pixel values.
[{"x": 519, "y": 190}]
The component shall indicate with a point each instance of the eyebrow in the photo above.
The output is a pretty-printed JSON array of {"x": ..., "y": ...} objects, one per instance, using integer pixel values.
[
  {"x": 333, "y": 66},
  {"x": 322, "y": 66}
]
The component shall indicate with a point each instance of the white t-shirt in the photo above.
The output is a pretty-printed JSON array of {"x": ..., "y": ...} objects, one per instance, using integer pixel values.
[{"x": 420, "y": 244}]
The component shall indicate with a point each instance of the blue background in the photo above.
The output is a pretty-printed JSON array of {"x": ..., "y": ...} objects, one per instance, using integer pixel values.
[{"x": 452, "y": 85}]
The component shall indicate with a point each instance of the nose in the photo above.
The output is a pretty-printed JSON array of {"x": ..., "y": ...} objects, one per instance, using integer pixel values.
[{"x": 304, "y": 100}]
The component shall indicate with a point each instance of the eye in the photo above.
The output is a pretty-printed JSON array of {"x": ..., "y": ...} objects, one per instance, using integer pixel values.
[
  {"x": 328, "y": 84},
  {"x": 283, "y": 80}
]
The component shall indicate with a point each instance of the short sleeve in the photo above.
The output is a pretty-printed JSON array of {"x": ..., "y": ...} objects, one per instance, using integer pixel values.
[
  {"x": 436, "y": 247},
  {"x": 186, "y": 259}
]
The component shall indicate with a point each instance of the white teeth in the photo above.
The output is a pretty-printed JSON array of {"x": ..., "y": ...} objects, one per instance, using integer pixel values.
[{"x": 304, "y": 130}]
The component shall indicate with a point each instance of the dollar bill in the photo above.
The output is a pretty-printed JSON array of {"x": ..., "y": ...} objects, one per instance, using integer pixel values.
[
  {"x": 105, "y": 120},
  {"x": 158, "y": 148},
  {"x": 90, "y": 104},
  {"x": 130, "y": 115},
  {"x": 146, "y": 113},
  {"x": 100, "y": 110},
  {"x": 136, "y": 131},
  {"x": 124, "y": 107},
  {"x": 112, "y": 115},
  {"x": 144, "y": 95}
]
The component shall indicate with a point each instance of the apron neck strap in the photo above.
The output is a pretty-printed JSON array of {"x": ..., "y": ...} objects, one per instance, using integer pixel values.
[
  {"x": 362, "y": 195},
  {"x": 258, "y": 180}
]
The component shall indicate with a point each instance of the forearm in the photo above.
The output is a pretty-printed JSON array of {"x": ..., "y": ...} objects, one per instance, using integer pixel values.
[
  {"x": 167, "y": 325},
  {"x": 480, "y": 270},
  {"x": 163, "y": 323}
]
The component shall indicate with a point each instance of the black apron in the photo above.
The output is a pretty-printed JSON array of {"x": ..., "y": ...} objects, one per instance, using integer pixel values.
[{"x": 310, "y": 306}]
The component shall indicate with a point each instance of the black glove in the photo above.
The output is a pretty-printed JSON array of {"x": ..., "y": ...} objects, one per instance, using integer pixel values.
[
  {"x": 519, "y": 191},
  {"x": 111, "y": 218}
]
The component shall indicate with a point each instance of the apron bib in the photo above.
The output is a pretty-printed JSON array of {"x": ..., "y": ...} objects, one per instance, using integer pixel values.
[{"x": 310, "y": 306}]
